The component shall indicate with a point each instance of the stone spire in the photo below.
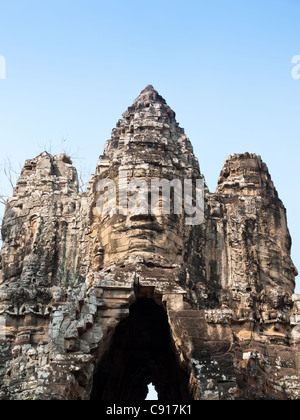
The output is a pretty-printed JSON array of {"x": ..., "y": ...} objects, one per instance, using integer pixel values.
[
  {"x": 149, "y": 130},
  {"x": 146, "y": 144},
  {"x": 247, "y": 174}
]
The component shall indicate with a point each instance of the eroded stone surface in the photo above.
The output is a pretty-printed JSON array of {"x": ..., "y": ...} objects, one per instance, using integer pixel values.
[{"x": 70, "y": 275}]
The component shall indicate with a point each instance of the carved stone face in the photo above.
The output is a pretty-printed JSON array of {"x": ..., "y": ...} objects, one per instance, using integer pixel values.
[
  {"x": 146, "y": 145},
  {"x": 141, "y": 234}
]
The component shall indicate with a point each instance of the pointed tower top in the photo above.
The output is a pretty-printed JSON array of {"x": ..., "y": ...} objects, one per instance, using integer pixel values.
[
  {"x": 150, "y": 133},
  {"x": 149, "y": 94},
  {"x": 148, "y": 88}
]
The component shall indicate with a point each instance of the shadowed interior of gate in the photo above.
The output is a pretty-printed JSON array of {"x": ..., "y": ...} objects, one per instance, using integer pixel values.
[{"x": 141, "y": 352}]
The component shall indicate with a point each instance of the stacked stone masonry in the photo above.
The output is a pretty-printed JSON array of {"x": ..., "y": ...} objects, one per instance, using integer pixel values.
[{"x": 71, "y": 280}]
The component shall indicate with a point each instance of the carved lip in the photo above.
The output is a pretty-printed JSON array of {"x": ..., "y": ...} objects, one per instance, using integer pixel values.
[
  {"x": 143, "y": 222},
  {"x": 142, "y": 228}
]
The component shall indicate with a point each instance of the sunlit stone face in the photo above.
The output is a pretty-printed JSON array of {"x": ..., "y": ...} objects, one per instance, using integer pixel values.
[
  {"x": 128, "y": 219},
  {"x": 140, "y": 232}
]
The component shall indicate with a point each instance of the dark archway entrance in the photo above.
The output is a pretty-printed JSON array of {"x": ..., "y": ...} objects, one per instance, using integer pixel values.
[{"x": 141, "y": 352}]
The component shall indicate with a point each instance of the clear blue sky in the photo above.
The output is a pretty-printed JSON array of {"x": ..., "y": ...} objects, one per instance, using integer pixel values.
[{"x": 224, "y": 66}]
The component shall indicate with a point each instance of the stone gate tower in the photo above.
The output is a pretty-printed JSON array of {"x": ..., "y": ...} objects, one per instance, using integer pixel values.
[{"x": 98, "y": 305}]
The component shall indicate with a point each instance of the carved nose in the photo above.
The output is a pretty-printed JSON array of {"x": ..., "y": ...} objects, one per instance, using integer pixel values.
[{"x": 146, "y": 218}]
